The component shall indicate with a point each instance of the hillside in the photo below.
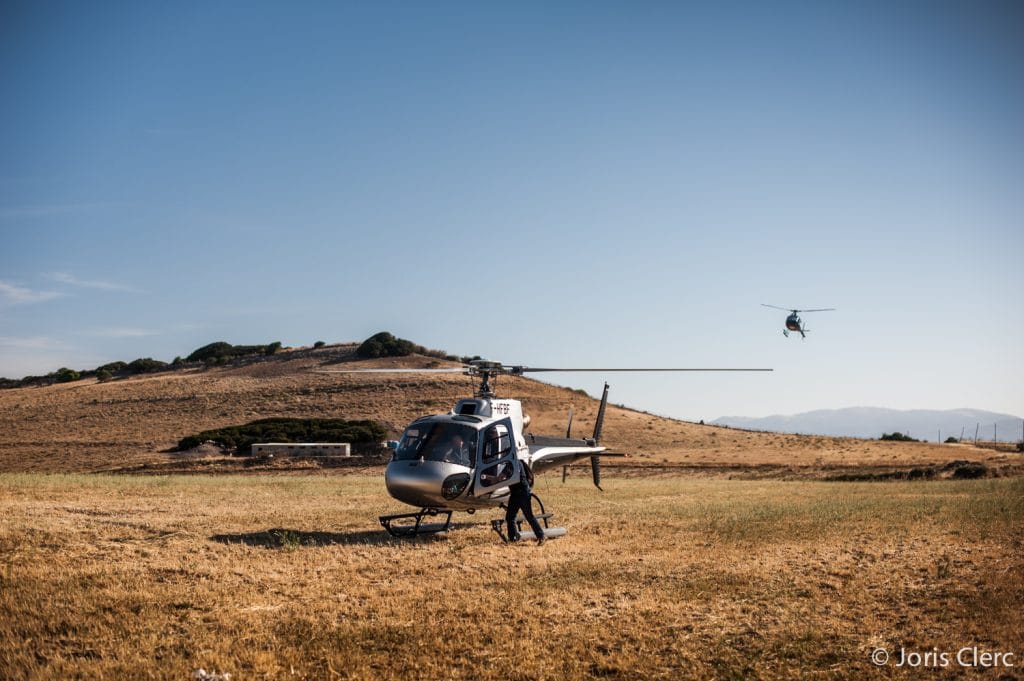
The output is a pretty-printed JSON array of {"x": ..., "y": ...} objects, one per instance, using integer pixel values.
[
  {"x": 117, "y": 425},
  {"x": 872, "y": 422}
]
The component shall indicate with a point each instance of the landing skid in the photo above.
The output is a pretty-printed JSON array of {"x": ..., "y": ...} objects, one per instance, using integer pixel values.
[
  {"x": 408, "y": 530},
  {"x": 549, "y": 532}
]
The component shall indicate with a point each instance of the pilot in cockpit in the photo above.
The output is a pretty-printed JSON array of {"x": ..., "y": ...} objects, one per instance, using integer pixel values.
[{"x": 456, "y": 451}]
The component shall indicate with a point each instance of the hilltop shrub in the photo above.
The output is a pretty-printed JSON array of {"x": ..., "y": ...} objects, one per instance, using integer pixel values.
[
  {"x": 898, "y": 437},
  {"x": 113, "y": 367},
  {"x": 952, "y": 441},
  {"x": 146, "y": 365},
  {"x": 65, "y": 375},
  {"x": 221, "y": 352},
  {"x": 241, "y": 438},
  {"x": 383, "y": 344}
]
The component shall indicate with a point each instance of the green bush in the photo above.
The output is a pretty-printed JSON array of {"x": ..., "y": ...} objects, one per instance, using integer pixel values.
[
  {"x": 318, "y": 345},
  {"x": 241, "y": 438},
  {"x": 146, "y": 365},
  {"x": 221, "y": 352},
  {"x": 103, "y": 375},
  {"x": 952, "y": 440},
  {"x": 65, "y": 375},
  {"x": 114, "y": 367},
  {"x": 383, "y": 344},
  {"x": 898, "y": 437}
]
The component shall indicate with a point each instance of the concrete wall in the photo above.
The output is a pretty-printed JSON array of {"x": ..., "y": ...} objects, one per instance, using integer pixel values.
[{"x": 302, "y": 449}]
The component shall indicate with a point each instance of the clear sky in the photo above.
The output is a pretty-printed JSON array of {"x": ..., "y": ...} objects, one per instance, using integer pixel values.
[{"x": 550, "y": 184}]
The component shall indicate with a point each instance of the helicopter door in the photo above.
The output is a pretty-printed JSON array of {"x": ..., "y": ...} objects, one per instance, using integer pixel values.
[{"x": 496, "y": 458}]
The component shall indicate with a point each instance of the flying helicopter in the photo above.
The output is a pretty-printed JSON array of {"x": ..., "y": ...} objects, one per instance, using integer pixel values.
[
  {"x": 464, "y": 460},
  {"x": 793, "y": 321}
]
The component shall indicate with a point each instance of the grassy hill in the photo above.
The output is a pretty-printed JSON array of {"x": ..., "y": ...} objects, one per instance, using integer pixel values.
[{"x": 86, "y": 425}]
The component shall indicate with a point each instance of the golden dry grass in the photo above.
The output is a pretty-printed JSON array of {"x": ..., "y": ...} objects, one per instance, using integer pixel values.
[{"x": 659, "y": 577}]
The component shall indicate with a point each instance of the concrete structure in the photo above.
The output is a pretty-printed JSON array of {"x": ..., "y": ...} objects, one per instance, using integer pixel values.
[{"x": 302, "y": 449}]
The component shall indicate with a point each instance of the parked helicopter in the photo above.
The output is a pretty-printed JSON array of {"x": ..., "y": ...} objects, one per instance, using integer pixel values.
[
  {"x": 464, "y": 460},
  {"x": 793, "y": 322}
]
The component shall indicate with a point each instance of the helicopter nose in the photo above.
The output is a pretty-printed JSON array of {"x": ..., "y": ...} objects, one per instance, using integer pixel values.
[{"x": 418, "y": 483}]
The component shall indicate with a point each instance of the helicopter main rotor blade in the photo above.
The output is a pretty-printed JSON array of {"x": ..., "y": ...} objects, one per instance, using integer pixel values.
[
  {"x": 820, "y": 309},
  {"x": 785, "y": 309},
  {"x": 538, "y": 369},
  {"x": 450, "y": 370}
]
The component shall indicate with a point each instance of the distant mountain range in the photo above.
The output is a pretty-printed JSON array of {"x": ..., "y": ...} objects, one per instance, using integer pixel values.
[{"x": 872, "y": 422}]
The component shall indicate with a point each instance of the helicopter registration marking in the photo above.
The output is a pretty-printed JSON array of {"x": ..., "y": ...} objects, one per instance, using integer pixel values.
[{"x": 501, "y": 409}]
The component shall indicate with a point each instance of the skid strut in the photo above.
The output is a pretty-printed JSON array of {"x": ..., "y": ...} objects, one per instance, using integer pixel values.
[{"x": 417, "y": 527}]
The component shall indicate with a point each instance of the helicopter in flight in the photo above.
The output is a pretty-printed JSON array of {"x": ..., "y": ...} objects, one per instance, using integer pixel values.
[
  {"x": 465, "y": 460},
  {"x": 793, "y": 321}
]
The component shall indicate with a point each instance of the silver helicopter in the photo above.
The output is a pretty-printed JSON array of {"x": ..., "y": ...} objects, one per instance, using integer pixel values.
[
  {"x": 793, "y": 321},
  {"x": 464, "y": 460}
]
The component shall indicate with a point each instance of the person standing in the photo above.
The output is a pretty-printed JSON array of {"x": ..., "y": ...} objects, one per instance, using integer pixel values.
[{"x": 520, "y": 500}]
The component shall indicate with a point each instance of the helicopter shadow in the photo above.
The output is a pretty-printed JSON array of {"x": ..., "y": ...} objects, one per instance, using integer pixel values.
[{"x": 284, "y": 538}]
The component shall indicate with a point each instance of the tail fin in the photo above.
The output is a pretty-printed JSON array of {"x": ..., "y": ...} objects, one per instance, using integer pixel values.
[
  {"x": 600, "y": 414},
  {"x": 595, "y": 461},
  {"x": 595, "y": 468}
]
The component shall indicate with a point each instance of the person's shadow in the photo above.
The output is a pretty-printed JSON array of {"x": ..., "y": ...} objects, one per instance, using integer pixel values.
[{"x": 283, "y": 538}]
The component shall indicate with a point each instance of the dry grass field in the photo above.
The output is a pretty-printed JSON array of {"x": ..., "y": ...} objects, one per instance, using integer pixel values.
[{"x": 112, "y": 576}]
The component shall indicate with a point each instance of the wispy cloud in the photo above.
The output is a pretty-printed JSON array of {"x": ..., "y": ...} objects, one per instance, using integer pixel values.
[
  {"x": 12, "y": 294},
  {"x": 121, "y": 332},
  {"x": 31, "y": 343},
  {"x": 72, "y": 280},
  {"x": 38, "y": 355}
]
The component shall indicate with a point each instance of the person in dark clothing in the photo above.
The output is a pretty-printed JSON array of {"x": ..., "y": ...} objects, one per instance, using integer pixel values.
[{"x": 519, "y": 500}]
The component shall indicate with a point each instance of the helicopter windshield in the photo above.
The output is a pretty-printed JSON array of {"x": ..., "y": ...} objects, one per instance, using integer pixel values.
[{"x": 442, "y": 442}]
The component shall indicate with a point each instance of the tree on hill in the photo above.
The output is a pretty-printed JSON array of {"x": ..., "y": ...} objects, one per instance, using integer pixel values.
[
  {"x": 221, "y": 352},
  {"x": 897, "y": 437},
  {"x": 114, "y": 367},
  {"x": 383, "y": 344},
  {"x": 146, "y": 365},
  {"x": 65, "y": 375}
]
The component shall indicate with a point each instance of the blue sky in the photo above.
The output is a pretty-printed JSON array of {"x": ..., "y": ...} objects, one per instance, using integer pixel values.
[{"x": 551, "y": 184}]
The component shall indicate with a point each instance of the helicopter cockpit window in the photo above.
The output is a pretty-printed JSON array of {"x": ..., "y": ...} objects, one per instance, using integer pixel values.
[
  {"x": 442, "y": 442},
  {"x": 497, "y": 443},
  {"x": 411, "y": 443}
]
